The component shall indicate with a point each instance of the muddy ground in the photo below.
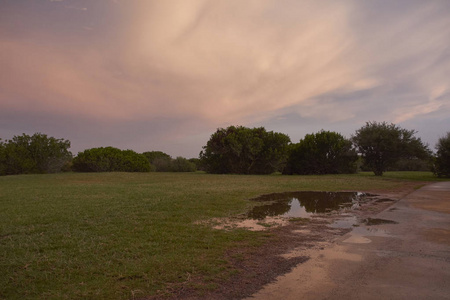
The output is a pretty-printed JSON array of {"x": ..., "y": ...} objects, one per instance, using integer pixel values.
[{"x": 288, "y": 246}]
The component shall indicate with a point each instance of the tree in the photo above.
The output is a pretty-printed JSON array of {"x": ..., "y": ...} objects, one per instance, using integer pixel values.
[
  {"x": 110, "y": 159},
  {"x": 324, "y": 152},
  {"x": 242, "y": 150},
  {"x": 442, "y": 162},
  {"x": 381, "y": 145},
  {"x": 33, "y": 154}
]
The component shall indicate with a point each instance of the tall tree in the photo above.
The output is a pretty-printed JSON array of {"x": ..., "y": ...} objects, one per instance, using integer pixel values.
[
  {"x": 381, "y": 145},
  {"x": 324, "y": 152},
  {"x": 243, "y": 150},
  {"x": 442, "y": 162}
]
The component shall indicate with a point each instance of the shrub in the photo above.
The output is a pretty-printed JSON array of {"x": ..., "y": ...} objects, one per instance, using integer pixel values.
[
  {"x": 198, "y": 163},
  {"x": 110, "y": 159},
  {"x": 160, "y": 161},
  {"x": 181, "y": 164},
  {"x": 33, "y": 154}
]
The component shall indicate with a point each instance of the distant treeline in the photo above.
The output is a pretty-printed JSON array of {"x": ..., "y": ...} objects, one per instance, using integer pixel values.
[{"x": 376, "y": 147}]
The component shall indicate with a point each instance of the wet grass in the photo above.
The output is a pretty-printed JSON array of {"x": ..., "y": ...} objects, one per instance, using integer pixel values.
[{"x": 125, "y": 235}]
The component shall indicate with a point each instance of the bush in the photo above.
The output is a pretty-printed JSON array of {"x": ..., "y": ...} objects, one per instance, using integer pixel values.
[
  {"x": 198, "y": 164},
  {"x": 163, "y": 162},
  {"x": 160, "y": 161},
  {"x": 33, "y": 154},
  {"x": 181, "y": 164},
  {"x": 110, "y": 159}
]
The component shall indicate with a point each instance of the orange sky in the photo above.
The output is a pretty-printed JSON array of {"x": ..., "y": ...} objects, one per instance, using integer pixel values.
[{"x": 163, "y": 75}]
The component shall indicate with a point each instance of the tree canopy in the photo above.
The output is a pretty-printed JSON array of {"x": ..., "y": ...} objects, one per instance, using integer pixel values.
[
  {"x": 324, "y": 152},
  {"x": 110, "y": 159},
  {"x": 381, "y": 145},
  {"x": 38, "y": 153},
  {"x": 442, "y": 162},
  {"x": 242, "y": 150}
]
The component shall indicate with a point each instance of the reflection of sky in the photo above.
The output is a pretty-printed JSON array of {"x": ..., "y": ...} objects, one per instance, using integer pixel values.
[
  {"x": 296, "y": 211},
  {"x": 305, "y": 204}
]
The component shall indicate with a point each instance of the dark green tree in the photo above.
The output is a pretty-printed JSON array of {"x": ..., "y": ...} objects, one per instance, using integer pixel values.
[
  {"x": 442, "y": 162},
  {"x": 38, "y": 153},
  {"x": 382, "y": 145},
  {"x": 324, "y": 152},
  {"x": 242, "y": 150},
  {"x": 110, "y": 159}
]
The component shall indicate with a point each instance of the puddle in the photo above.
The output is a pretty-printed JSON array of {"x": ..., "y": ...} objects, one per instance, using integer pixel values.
[
  {"x": 345, "y": 222},
  {"x": 279, "y": 209},
  {"x": 305, "y": 204},
  {"x": 359, "y": 235}
]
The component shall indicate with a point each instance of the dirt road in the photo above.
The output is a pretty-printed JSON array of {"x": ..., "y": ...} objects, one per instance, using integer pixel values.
[{"x": 408, "y": 259}]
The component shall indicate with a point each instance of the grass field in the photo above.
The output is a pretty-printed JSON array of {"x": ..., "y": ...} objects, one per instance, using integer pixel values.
[{"x": 125, "y": 235}]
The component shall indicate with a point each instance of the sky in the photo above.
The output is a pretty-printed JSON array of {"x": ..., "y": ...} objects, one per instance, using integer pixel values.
[{"x": 153, "y": 75}]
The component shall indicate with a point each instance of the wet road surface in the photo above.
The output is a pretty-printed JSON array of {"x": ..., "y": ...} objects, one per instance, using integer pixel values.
[{"x": 405, "y": 254}]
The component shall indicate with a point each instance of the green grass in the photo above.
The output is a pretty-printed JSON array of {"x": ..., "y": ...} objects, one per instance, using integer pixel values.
[
  {"x": 125, "y": 235},
  {"x": 414, "y": 176}
]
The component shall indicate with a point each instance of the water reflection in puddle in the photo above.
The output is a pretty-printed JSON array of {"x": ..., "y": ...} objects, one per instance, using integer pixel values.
[
  {"x": 345, "y": 222},
  {"x": 359, "y": 235},
  {"x": 305, "y": 204}
]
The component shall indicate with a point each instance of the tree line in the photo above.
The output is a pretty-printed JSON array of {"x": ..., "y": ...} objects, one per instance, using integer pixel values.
[
  {"x": 39, "y": 154},
  {"x": 376, "y": 147}
]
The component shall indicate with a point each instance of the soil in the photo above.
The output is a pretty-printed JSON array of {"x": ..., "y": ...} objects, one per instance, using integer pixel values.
[{"x": 287, "y": 247}]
